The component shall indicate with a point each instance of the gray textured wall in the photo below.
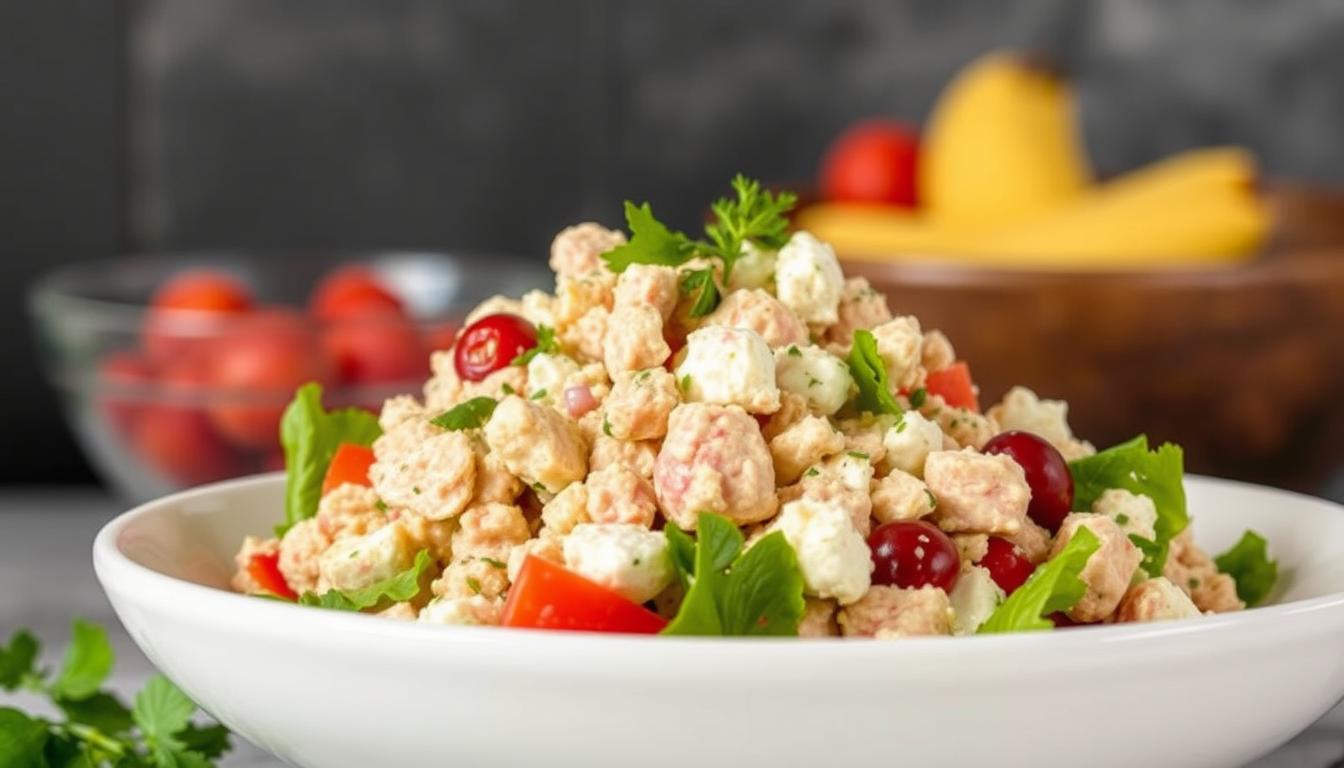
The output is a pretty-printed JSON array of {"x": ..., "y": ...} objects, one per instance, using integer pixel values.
[
  {"x": 491, "y": 123},
  {"x": 154, "y": 124}
]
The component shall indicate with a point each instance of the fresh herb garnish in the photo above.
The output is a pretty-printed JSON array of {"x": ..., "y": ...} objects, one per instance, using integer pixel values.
[
  {"x": 606, "y": 426},
  {"x": 1155, "y": 474},
  {"x": 394, "y": 589},
  {"x": 753, "y": 215},
  {"x": 794, "y": 351},
  {"x": 759, "y": 592},
  {"x": 699, "y": 284},
  {"x": 918, "y": 398},
  {"x": 1248, "y": 563},
  {"x": 546, "y": 344},
  {"x": 858, "y": 455},
  {"x": 933, "y": 500},
  {"x": 539, "y": 394},
  {"x": 310, "y": 437},
  {"x": 1053, "y": 586},
  {"x": 98, "y": 729},
  {"x": 870, "y": 374},
  {"x": 470, "y": 414}
]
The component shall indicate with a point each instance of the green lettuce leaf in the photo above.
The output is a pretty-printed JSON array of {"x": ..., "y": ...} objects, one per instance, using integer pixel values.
[
  {"x": 471, "y": 414},
  {"x": 1054, "y": 586},
  {"x": 1156, "y": 474},
  {"x": 394, "y": 589},
  {"x": 870, "y": 374},
  {"x": 310, "y": 436},
  {"x": 1248, "y": 563},
  {"x": 759, "y": 592}
]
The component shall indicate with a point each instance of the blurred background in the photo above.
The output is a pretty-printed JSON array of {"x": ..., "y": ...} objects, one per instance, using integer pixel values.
[{"x": 323, "y": 126}]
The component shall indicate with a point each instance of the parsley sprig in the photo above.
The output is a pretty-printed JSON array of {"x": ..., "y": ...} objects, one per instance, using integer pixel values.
[
  {"x": 98, "y": 729},
  {"x": 546, "y": 344},
  {"x": 753, "y": 215},
  {"x": 870, "y": 376}
]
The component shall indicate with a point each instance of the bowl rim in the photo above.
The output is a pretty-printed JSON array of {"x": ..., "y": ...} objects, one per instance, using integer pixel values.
[{"x": 118, "y": 572}]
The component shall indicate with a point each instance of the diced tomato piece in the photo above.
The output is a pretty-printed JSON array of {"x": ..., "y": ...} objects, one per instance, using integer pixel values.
[
  {"x": 350, "y": 465},
  {"x": 954, "y": 384},
  {"x": 265, "y": 570},
  {"x": 547, "y": 596}
]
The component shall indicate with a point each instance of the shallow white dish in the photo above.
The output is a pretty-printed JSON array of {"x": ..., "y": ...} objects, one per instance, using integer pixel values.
[{"x": 327, "y": 690}]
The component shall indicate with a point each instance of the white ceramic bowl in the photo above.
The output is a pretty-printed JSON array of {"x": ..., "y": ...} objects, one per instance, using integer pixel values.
[{"x": 328, "y": 689}]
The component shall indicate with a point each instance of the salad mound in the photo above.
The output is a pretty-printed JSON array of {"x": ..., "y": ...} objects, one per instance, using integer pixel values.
[{"x": 724, "y": 435}]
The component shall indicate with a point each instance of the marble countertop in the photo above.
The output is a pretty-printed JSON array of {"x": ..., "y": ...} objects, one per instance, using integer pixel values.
[{"x": 45, "y": 538}]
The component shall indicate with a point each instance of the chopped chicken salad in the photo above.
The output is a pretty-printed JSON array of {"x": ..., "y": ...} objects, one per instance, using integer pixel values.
[{"x": 725, "y": 435}]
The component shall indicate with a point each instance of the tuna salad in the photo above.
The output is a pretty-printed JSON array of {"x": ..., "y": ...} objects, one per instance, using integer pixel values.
[{"x": 724, "y": 435}]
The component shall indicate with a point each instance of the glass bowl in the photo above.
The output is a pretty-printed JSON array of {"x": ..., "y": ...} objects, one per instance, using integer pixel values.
[{"x": 154, "y": 424}]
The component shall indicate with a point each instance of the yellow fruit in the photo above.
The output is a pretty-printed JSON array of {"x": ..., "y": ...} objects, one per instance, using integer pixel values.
[
  {"x": 877, "y": 233},
  {"x": 1002, "y": 145},
  {"x": 1195, "y": 207}
]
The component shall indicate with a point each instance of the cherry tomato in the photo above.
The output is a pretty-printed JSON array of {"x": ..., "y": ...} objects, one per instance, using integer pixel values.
[
  {"x": 375, "y": 349},
  {"x": 350, "y": 465},
  {"x": 352, "y": 292},
  {"x": 491, "y": 343},
  {"x": 913, "y": 553},
  {"x": 203, "y": 290},
  {"x": 1007, "y": 564},
  {"x": 180, "y": 442},
  {"x": 954, "y": 385},
  {"x": 1047, "y": 475},
  {"x": 874, "y": 161},
  {"x": 547, "y": 596},
  {"x": 183, "y": 310},
  {"x": 122, "y": 377},
  {"x": 254, "y": 368},
  {"x": 265, "y": 570}
]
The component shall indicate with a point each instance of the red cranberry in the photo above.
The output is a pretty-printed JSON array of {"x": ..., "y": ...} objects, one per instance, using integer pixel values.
[
  {"x": 490, "y": 344},
  {"x": 1007, "y": 564},
  {"x": 912, "y": 554},
  {"x": 1047, "y": 475}
]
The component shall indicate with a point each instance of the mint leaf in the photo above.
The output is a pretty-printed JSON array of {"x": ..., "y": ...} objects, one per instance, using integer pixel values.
[
  {"x": 17, "y": 659},
  {"x": 755, "y": 215},
  {"x": 310, "y": 436},
  {"x": 1248, "y": 563},
  {"x": 1053, "y": 586},
  {"x": 22, "y": 739},
  {"x": 88, "y": 662},
  {"x": 1156, "y": 474},
  {"x": 870, "y": 374},
  {"x": 546, "y": 343},
  {"x": 757, "y": 593},
  {"x": 699, "y": 284},
  {"x": 470, "y": 414},
  {"x": 394, "y": 589},
  {"x": 650, "y": 242}
]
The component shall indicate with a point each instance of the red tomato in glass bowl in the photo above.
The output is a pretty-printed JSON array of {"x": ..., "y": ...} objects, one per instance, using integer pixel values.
[
  {"x": 353, "y": 291},
  {"x": 180, "y": 442},
  {"x": 874, "y": 161},
  {"x": 254, "y": 369},
  {"x": 122, "y": 378},
  {"x": 183, "y": 309},
  {"x": 375, "y": 349}
]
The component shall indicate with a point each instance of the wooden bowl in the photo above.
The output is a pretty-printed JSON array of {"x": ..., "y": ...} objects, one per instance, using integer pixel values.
[{"x": 1242, "y": 366}]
